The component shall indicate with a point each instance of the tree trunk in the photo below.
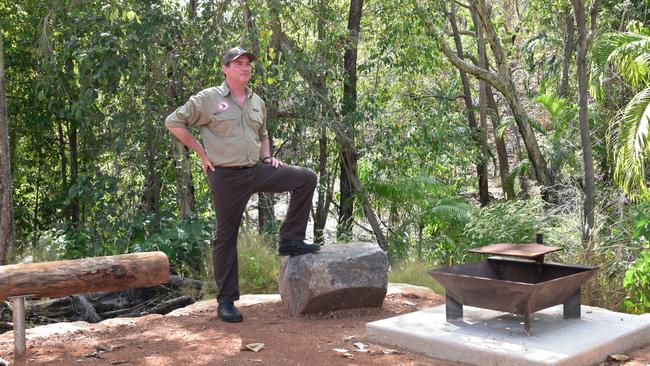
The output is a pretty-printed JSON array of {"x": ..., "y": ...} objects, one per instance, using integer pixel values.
[
  {"x": 265, "y": 201},
  {"x": 568, "y": 52},
  {"x": 523, "y": 178},
  {"x": 481, "y": 161},
  {"x": 182, "y": 171},
  {"x": 348, "y": 155},
  {"x": 543, "y": 174},
  {"x": 502, "y": 153},
  {"x": 6, "y": 205},
  {"x": 313, "y": 79},
  {"x": 583, "y": 101},
  {"x": 192, "y": 9},
  {"x": 482, "y": 56},
  {"x": 73, "y": 151},
  {"x": 325, "y": 189},
  {"x": 184, "y": 181},
  {"x": 324, "y": 192},
  {"x": 502, "y": 81},
  {"x": 182, "y": 162},
  {"x": 151, "y": 199},
  {"x": 64, "y": 159},
  {"x": 316, "y": 81}
]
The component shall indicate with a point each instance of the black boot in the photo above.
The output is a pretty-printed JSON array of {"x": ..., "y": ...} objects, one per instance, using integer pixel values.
[
  {"x": 296, "y": 247},
  {"x": 229, "y": 313}
]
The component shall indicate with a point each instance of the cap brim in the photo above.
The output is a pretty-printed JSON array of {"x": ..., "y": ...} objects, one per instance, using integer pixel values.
[{"x": 251, "y": 57}]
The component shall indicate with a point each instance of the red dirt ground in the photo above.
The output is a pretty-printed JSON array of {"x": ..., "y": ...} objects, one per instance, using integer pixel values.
[{"x": 199, "y": 338}]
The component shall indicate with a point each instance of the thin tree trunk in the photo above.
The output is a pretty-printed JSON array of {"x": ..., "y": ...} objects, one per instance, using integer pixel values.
[
  {"x": 184, "y": 182},
  {"x": 325, "y": 188},
  {"x": 481, "y": 161},
  {"x": 192, "y": 8},
  {"x": 74, "y": 170},
  {"x": 265, "y": 201},
  {"x": 523, "y": 179},
  {"x": 348, "y": 155},
  {"x": 502, "y": 153},
  {"x": 583, "y": 101},
  {"x": 152, "y": 183},
  {"x": 543, "y": 175},
  {"x": 316, "y": 81},
  {"x": 73, "y": 151},
  {"x": 182, "y": 163},
  {"x": 502, "y": 81},
  {"x": 568, "y": 52},
  {"x": 6, "y": 205},
  {"x": 313, "y": 79},
  {"x": 64, "y": 159},
  {"x": 482, "y": 56},
  {"x": 325, "y": 193}
]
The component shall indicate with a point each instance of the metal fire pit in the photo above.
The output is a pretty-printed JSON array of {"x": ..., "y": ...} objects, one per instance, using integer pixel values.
[{"x": 517, "y": 286}]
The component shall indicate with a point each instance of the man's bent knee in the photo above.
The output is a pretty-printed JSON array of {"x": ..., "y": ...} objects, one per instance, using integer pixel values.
[{"x": 311, "y": 177}]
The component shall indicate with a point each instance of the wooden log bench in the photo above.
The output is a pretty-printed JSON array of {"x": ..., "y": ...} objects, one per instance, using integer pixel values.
[{"x": 79, "y": 276}]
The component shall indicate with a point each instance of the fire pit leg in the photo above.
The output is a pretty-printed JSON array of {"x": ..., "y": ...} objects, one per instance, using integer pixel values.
[
  {"x": 572, "y": 306},
  {"x": 527, "y": 324},
  {"x": 18, "y": 303},
  {"x": 454, "y": 309}
]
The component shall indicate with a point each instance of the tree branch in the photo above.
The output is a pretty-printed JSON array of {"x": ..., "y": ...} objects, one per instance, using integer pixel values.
[
  {"x": 593, "y": 14},
  {"x": 494, "y": 79},
  {"x": 461, "y": 4}
]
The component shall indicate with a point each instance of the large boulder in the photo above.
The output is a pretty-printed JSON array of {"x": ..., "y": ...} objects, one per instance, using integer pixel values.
[{"x": 340, "y": 276}]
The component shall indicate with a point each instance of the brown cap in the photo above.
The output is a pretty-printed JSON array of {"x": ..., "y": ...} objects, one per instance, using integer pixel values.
[{"x": 234, "y": 53}]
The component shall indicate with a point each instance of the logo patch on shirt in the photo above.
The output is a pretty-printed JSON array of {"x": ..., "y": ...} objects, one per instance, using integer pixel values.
[{"x": 223, "y": 106}]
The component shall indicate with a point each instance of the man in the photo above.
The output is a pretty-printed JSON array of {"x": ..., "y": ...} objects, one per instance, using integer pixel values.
[{"x": 236, "y": 157}]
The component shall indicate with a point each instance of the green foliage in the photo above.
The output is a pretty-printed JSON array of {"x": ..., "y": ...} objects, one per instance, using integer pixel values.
[
  {"x": 631, "y": 148},
  {"x": 641, "y": 229},
  {"x": 637, "y": 276},
  {"x": 627, "y": 54},
  {"x": 563, "y": 114},
  {"x": 637, "y": 282},
  {"x": 505, "y": 222},
  {"x": 185, "y": 244},
  {"x": 425, "y": 216}
]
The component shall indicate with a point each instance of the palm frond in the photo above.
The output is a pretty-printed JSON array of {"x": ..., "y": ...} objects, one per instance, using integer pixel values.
[
  {"x": 503, "y": 126},
  {"x": 626, "y": 53},
  {"x": 522, "y": 166},
  {"x": 628, "y": 138},
  {"x": 458, "y": 212}
]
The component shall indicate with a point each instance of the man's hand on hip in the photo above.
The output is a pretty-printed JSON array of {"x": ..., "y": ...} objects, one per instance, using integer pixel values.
[
  {"x": 273, "y": 161},
  {"x": 206, "y": 164}
]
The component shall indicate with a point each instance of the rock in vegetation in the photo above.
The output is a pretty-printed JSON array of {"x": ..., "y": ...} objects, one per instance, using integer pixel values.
[{"x": 340, "y": 276}]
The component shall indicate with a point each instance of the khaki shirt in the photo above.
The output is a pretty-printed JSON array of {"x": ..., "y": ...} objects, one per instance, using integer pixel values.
[{"x": 231, "y": 134}]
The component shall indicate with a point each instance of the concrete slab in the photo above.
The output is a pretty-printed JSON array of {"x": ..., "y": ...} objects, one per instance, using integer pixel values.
[{"x": 486, "y": 337}]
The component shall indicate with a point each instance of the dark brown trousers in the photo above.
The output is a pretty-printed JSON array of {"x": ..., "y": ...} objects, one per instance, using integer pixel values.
[{"x": 231, "y": 189}]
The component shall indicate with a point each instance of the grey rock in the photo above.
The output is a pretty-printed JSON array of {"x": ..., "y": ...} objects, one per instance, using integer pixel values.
[{"x": 340, "y": 276}]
